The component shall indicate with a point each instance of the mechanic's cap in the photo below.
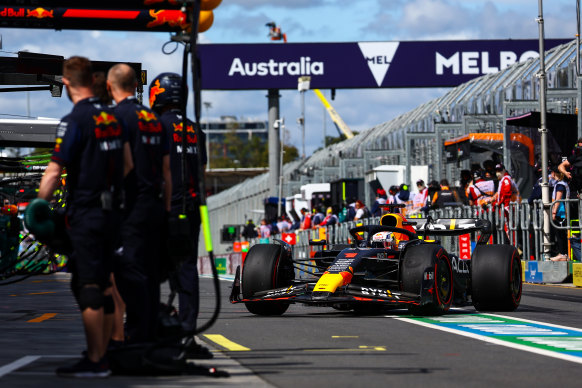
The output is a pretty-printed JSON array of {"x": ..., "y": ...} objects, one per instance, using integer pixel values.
[
  {"x": 394, "y": 188},
  {"x": 381, "y": 192},
  {"x": 499, "y": 167},
  {"x": 477, "y": 174},
  {"x": 404, "y": 186},
  {"x": 420, "y": 182},
  {"x": 166, "y": 89}
]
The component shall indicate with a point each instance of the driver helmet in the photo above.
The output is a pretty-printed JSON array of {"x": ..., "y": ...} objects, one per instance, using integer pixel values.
[
  {"x": 166, "y": 90},
  {"x": 385, "y": 239}
]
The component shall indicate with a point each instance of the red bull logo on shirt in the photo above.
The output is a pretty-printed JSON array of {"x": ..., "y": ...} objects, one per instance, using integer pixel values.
[
  {"x": 179, "y": 128},
  {"x": 145, "y": 115},
  {"x": 104, "y": 118}
]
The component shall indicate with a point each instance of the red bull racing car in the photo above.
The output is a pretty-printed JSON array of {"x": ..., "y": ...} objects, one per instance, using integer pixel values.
[{"x": 394, "y": 264}]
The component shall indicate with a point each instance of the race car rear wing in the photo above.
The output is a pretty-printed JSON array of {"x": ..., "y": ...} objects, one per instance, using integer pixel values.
[{"x": 454, "y": 227}]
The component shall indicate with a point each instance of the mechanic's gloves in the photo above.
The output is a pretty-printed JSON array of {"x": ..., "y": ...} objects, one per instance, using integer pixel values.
[
  {"x": 38, "y": 219},
  {"x": 48, "y": 226}
]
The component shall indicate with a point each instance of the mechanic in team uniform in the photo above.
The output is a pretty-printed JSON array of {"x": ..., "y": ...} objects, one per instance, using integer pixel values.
[
  {"x": 90, "y": 144},
  {"x": 166, "y": 100},
  {"x": 148, "y": 188}
]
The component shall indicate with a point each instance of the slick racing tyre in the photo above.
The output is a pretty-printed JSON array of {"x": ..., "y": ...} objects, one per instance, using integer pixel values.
[
  {"x": 435, "y": 286},
  {"x": 496, "y": 278},
  {"x": 266, "y": 267}
]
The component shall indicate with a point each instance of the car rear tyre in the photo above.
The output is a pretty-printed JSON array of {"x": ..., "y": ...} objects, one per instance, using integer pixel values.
[
  {"x": 439, "y": 293},
  {"x": 496, "y": 278},
  {"x": 266, "y": 267}
]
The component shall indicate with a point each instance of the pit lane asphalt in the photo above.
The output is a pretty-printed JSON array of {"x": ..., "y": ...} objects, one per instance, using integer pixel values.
[{"x": 307, "y": 346}]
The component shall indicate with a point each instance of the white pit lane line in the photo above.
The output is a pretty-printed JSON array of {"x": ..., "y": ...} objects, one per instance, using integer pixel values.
[
  {"x": 496, "y": 341},
  {"x": 26, "y": 360},
  {"x": 9, "y": 368}
]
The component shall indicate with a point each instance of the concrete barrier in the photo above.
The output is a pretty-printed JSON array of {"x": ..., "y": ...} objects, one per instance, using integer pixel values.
[
  {"x": 546, "y": 271},
  {"x": 532, "y": 271},
  {"x": 577, "y": 274}
]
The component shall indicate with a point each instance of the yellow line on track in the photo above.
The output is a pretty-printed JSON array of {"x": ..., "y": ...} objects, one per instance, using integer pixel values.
[
  {"x": 360, "y": 349},
  {"x": 345, "y": 336},
  {"x": 43, "y": 317},
  {"x": 226, "y": 343}
]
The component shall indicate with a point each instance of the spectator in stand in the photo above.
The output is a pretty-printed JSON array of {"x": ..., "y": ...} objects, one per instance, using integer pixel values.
[
  {"x": 274, "y": 228},
  {"x": 507, "y": 191},
  {"x": 305, "y": 219},
  {"x": 479, "y": 191},
  {"x": 381, "y": 199},
  {"x": 250, "y": 230},
  {"x": 536, "y": 192},
  {"x": 489, "y": 173},
  {"x": 283, "y": 225},
  {"x": 344, "y": 214},
  {"x": 419, "y": 199},
  {"x": 264, "y": 230},
  {"x": 433, "y": 188},
  {"x": 392, "y": 191},
  {"x": 330, "y": 218},
  {"x": 445, "y": 196},
  {"x": 318, "y": 216},
  {"x": 561, "y": 192},
  {"x": 403, "y": 195},
  {"x": 351, "y": 210},
  {"x": 361, "y": 211},
  {"x": 465, "y": 179}
]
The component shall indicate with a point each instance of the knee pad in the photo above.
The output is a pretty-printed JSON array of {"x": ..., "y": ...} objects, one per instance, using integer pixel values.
[
  {"x": 91, "y": 297},
  {"x": 108, "y": 304}
]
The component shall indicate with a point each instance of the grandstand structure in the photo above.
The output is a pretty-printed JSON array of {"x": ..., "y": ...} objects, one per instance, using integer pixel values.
[{"x": 416, "y": 138}]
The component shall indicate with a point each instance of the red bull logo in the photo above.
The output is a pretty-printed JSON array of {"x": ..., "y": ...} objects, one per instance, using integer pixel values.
[
  {"x": 180, "y": 128},
  {"x": 107, "y": 132},
  {"x": 155, "y": 91},
  {"x": 173, "y": 18},
  {"x": 146, "y": 116},
  {"x": 39, "y": 13},
  {"x": 12, "y": 12},
  {"x": 104, "y": 118}
]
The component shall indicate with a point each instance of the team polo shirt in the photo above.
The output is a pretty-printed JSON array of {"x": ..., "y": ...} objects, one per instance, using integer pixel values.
[
  {"x": 149, "y": 143},
  {"x": 89, "y": 143},
  {"x": 173, "y": 123}
]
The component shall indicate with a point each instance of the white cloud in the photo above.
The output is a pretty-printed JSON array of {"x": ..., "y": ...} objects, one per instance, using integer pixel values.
[{"x": 304, "y": 21}]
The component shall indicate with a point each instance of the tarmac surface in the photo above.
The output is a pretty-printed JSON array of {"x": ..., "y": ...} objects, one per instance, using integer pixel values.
[{"x": 40, "y": 329}]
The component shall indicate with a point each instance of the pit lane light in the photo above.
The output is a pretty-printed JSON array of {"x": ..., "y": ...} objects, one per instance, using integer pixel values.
[{"x": 206, "y": 14}]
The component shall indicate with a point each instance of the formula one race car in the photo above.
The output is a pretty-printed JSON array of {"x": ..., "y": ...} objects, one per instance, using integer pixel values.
[{"x": 394, "y": 264}]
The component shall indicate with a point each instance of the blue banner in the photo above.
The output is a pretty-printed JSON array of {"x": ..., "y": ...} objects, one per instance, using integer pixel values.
[{"x": 359, "y": 65}]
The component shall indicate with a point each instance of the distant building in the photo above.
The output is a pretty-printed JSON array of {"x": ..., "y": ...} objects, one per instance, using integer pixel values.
[{"x": 218, "y": 133}]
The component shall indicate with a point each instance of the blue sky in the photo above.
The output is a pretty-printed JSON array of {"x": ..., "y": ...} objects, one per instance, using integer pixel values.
[{"x": 243, "y": 21}]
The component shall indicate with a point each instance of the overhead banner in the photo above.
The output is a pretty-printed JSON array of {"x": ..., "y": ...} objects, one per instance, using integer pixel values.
[{"x": 360, "y": 65}]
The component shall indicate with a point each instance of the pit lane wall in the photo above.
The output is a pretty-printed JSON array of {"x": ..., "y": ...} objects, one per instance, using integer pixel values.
[{"x": 523, "y": 222}]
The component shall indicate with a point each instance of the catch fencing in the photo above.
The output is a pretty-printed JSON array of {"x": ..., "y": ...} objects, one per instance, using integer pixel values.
[{"x": 520, "y": 225}]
